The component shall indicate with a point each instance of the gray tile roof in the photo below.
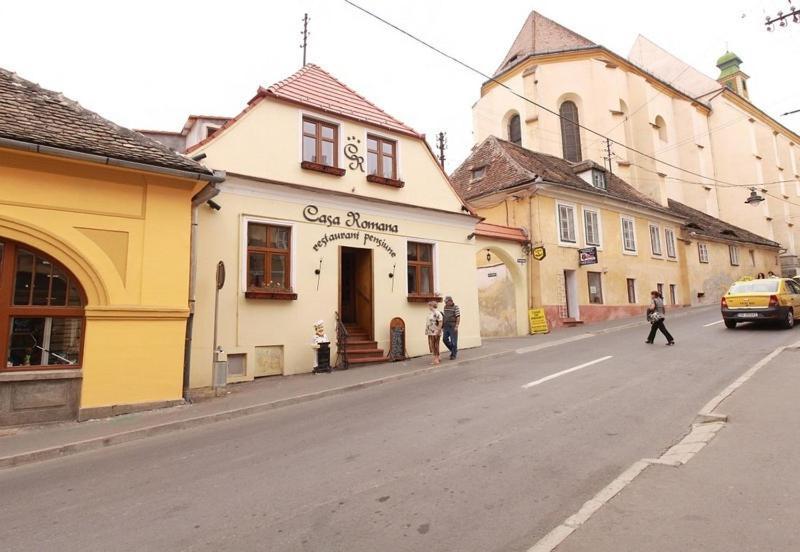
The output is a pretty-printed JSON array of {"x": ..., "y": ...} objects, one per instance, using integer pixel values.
[
  {"x": 706, "y": 226},
  {"x": 32, "y": 114}
]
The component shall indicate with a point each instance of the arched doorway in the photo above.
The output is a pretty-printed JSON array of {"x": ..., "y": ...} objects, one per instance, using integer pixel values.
[
  {"x": 41, "y": 311},
  {"x": 497, "y": 302}
]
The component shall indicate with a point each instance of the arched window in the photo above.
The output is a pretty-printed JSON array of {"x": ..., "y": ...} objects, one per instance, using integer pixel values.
[
  {"x": 570, "y": 132},
  {"x": 661, "y": 126},
  {"x": 41, "y": 311},
  {"x": 514, "y": 130}
]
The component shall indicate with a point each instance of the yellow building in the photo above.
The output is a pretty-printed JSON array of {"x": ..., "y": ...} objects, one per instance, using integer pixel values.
[
  {"x": 94, "y": 250},
  {"x": 606, "y": 245},
  {"x": 330, "y": 206},
  {"x": 698, "y": 140}
]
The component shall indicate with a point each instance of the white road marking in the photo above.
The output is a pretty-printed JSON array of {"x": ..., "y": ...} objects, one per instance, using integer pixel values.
[
  {"x": 567, "y": 371},
  {"x": 713, "y": 323}
]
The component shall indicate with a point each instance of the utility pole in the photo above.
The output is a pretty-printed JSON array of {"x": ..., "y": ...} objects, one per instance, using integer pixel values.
[
  {"x": 304, "y": 46},
  {"x": 608, "y": 153},
  {"x": 441, "y": 145}
]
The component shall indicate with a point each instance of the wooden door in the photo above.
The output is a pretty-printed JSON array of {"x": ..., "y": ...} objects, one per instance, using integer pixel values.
[{"x": 363, "y": 290}]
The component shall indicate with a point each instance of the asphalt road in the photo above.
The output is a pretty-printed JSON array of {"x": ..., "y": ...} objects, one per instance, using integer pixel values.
[{"x": 465, "y": 460}]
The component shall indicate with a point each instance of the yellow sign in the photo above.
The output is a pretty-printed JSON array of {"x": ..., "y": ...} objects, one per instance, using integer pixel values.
[
  {"x": 538, "y": 321},
  {"x": 539, "y": 253}
]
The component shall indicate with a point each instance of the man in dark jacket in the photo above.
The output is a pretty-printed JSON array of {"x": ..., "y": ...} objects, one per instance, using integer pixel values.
[{"x": 452, "y": 318}]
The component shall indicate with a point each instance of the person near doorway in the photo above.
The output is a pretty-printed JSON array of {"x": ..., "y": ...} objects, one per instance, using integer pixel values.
[
  {"x": 451, "y": 319},
  {"x": 655, "y": 315},
  {"x": 433, "y": 329}
]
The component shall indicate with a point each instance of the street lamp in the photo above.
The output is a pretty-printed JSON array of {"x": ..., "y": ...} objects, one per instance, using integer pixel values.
[{"x": 754, "y": 198}]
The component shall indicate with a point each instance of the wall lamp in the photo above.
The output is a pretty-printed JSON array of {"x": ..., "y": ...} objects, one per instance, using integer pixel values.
[
  {"x": 470, "y": 236},
  {"x": 213, "y": 204},
  {"x": 199, "y": 157}
]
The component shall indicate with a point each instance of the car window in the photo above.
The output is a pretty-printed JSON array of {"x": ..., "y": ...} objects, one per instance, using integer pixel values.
[
  {"x": 755, "y": 286},
  {"x": 792, "y": 287}
]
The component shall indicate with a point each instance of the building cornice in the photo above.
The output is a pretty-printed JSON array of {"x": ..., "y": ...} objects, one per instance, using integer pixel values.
[{"x": 745, "y": 105}]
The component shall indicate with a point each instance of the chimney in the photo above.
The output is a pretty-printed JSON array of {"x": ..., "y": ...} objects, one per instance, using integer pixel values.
[{"x": 731, "y": 75}]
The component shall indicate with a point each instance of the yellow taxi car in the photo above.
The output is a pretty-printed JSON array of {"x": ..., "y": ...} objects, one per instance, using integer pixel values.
[{"x": 762, "y": 300}]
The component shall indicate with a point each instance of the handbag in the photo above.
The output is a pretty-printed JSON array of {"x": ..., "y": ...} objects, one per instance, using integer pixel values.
[{"x": 655, "y": 316}]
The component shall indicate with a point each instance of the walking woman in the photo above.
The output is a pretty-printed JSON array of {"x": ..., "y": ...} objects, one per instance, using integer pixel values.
[
  {"x": 655, "y": 314},
  {"x": 433, "y": 329}
]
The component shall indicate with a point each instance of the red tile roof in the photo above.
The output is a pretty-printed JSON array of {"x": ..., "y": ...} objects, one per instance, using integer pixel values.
[
  {"x": 501, "y": 232},
  {"x": 315, "y": 87}
]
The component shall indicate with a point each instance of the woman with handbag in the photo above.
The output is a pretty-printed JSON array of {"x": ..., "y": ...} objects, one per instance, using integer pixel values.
[{"x": 655, "y": 315}]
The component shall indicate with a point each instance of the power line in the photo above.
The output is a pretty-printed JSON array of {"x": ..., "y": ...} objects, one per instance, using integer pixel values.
[{"x": 520, "y": 96}]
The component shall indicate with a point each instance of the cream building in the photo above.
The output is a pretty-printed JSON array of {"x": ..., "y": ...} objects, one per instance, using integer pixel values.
[
  {"x": 330, "y": 206},
  {"x": 712, "y": 144},
  {"x": 606, "y": 245}
]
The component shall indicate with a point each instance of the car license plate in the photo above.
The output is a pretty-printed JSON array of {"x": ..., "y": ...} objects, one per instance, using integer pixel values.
[{"x": 747, "y": 315}]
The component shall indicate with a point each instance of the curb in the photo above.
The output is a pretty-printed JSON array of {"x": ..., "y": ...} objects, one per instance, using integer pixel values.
[{"x": 95, "y": 443}]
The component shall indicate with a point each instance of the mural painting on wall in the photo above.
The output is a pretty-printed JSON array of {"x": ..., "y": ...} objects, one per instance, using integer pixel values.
[{"x": 496, "y": 301}]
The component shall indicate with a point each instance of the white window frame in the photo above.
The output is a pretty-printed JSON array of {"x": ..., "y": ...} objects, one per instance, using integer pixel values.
[
  {"x": 435, "y": 256},
  {"x": 702, "y": 253},
  {"x": 602, "y": 176},
  {"x": 574, "y": 209},
  {"x": 599, "y": 229},
  {"x": 655, "y": 234},
  {"x": 292, "y": 226},
  {"x": 669, "y": 243},
  {"x": 623, "y": 219},
  {"x": 733, "y": 254}
]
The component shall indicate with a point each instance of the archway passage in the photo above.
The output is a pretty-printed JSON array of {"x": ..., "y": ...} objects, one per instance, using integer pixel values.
[
  {"x": 41, "y": 311},
  {"x": 496, "y": 296}
]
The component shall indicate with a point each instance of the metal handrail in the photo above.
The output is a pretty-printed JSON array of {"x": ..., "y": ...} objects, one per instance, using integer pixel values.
[{"x": 341, "y": 344}]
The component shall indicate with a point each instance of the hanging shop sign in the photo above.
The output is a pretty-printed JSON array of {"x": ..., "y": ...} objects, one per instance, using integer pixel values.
[
  {"x": 539, "y": 252},
  {"x": 587, "y": 256},
  {"x": 352, "y": 219},
  {"x": 538, "y": 321}
]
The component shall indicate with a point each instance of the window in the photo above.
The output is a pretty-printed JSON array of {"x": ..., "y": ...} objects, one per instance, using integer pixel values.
[
  {"x": 514, "y": 130},
  {"x": 752, "y": 257},
  {"x": 566, "y": 223},
  {"x": 41, "y": 317},
  {"x": 268, "y": 257},
  {"x": 237, "y": 365},
  {"x": 628, "y": 235},
  {"x": 673, "y": 294},
  {"x": 599, "y": 179},
  {"x": 382, "y": 157},
  {"x": 669, "y": 238},
  {"x": 661, "y": 127},
  {"x": 595, "y": 287},
  {"x": 478, "y": 173},
  {"x": 660, "y": 288},
  {"x": 320, "y": 142},
  {"x": 570, "y": 132},
  {"x": 591, "y": 222},
  {"x": 420, "y": 268},
  {"x": 702, "y": 252},
  {"x": 733, "y": 251},
  {"x": 655, "y": 240},
  {"x": 210, "y": 130},
  {"x": 631, "y": 283}
]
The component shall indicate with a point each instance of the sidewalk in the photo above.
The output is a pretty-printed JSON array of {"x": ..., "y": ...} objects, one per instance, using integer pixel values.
[
  {"x": 741, "y": 492},
  {"x": 33, "y": 444}
]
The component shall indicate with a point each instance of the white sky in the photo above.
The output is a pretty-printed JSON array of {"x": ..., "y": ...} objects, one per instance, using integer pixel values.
[{"x": 148, "y": 64}]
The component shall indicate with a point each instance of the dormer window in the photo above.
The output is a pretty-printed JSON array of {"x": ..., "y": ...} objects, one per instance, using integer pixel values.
[
  {"x": 478, "y": 173},
  {"x": 320, "y": 142},
  {"x": 381, "y": 157},
  {"x": 599, "y": 180},
  {"x": 210, "y": 130}
]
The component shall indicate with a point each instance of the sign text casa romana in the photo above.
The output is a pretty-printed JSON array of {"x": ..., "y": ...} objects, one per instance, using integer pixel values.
[{"x": 353, "y": 219}]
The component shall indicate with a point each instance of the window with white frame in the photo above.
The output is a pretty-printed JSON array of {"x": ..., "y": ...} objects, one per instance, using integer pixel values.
[
  {"x": 566, "y": 223},
  {"x": 733, "y": 251},
  {"x": 591, "y": 223},
  {"x": 655, "y": 240},
  {"x": 628, "y": 235},
  {"x": 669, "y": 238},
  {"x": 599, "y": 179},
  {"x": 702, "y": 252}
]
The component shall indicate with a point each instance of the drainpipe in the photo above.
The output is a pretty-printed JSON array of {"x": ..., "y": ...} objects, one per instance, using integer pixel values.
[{"x": 206, "y": 194}]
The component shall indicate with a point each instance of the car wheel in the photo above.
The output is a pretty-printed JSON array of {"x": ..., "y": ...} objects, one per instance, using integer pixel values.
[
  {"x": 730, "y": 324},
  {"x": 788, "y": 321}
]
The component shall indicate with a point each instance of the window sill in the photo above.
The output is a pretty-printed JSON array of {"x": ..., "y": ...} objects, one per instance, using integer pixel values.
[
  {"x": 375, "y": 179},
  {"x": 424, "y": 298},
  {"x": 31, "y": 373},
  {"x": 273, "y": 295},
  {"x": 326, "y": 169}
]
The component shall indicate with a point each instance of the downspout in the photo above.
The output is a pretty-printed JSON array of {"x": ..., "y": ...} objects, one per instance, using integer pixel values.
[{"x": 207, "y": 193}]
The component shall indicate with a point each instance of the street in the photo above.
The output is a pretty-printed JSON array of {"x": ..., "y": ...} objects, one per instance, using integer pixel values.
[{"x": 488, "y": 456}]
